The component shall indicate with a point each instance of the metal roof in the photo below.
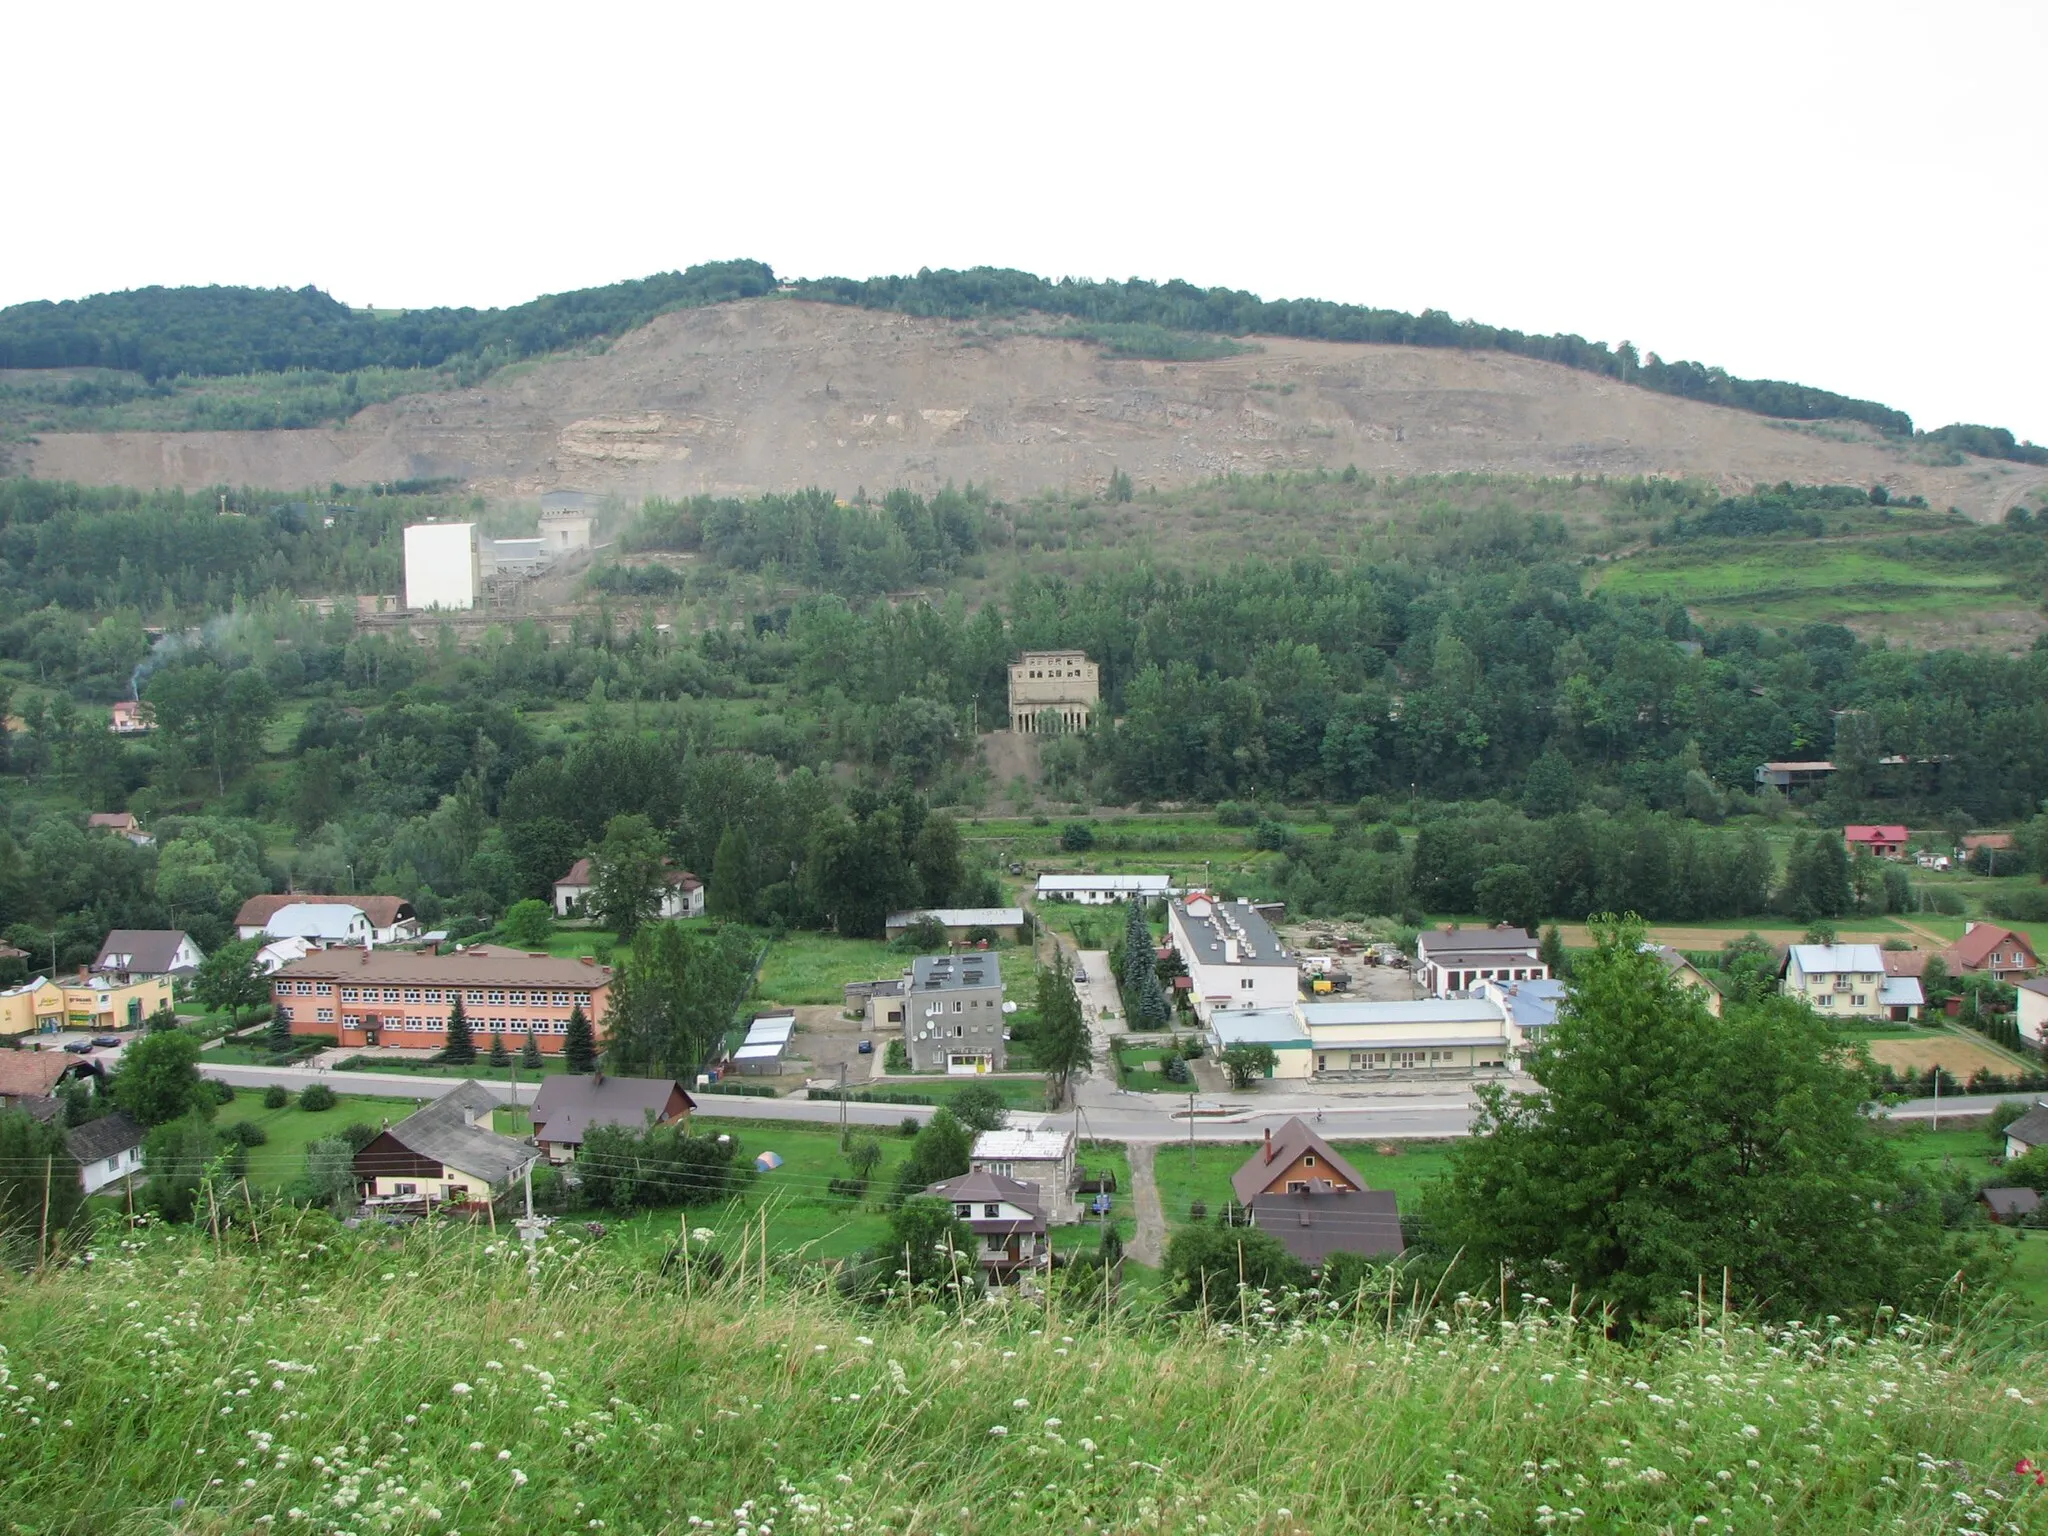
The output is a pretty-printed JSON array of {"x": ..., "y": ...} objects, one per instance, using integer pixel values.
[
  {"x": 1818, "y": 959},
  {"x": 315, "y": 920},
  {"x": 1257, "y": 1026},
  {"x": 1902, "y": 992},
  {"x": 1435, "y": 944},
  {"x": 1151, "y": 884},
  {"x": 772, "y": 1029},
  {"x": 948, "y": 973},
  {"x": 1421, "y": 1010},
  {"x": 1211, "y": 926},
  {"x": 961, "y": 917},
  {"x": 1044, "y": 1145},
  {"x": 443, "y": 1132}
]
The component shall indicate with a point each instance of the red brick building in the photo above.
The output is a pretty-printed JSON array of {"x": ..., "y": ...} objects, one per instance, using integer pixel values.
[{"x": 386, "y": 997}]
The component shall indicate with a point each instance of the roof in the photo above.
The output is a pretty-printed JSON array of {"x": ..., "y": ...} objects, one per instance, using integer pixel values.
[
  {"x": 1288, "y": 1143},
  {"x": 760, "y": 1050},
  {"x": 1151, "y": 884},
  {"x": 2009, "y": 1200},
  {"x": 579, "y": 874},
  {"x": 1323, "y": 1222},
  {"x": 948, "y": 973},
  {"x": 1432, "y": 944},
  {"x": 314, "y": 920},
  {"x": 981, "y": 1185},
  {"x": 1901, "y": 992},
  {"x": 1257, "y": 1026},
  {"x": 1905, "y": 962},
  {"x": 962, "y": 917},
  {"x": 32, "y": 1072},
  {"x": 1211, "y": 924},
  {"x": 2037, "y": 984},
  {"x": 109, "y": 1136},
  {"x": 384, "y": 911},
  {"x": 1530, "y": 1004},
  {"x": 1045, "y": 1146},
  {"x": 772, "y": 1029},
  {"x": 1818, "y": 959},
  {"x": 1815, "y": 765},
  {"x": 149, "y": 951},
  {"x": 442, "y": 1132},
  {"x": 2032, "y": 1127},
  {"x": 1988, "y": 840},
  {"x": 479, "y": 965},
  {"x": 1973, "y": 949},
  {"x": 569, "y": 1105},
  {"x": 116, "y": 819},
  {"x": 1859, "y": 833},
  {"x": 1420, "y": 1010}
]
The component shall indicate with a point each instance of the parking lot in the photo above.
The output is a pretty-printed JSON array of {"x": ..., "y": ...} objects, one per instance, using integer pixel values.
[{"x": 106, "y": 1055}]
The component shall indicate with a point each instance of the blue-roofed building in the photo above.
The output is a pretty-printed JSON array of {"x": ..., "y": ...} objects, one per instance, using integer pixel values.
[
  {"x": 1279, "y": 1028},
  {"x": 1529, "y": 1008}
]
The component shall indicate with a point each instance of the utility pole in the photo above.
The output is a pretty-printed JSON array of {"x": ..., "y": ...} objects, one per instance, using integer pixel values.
[
  {"x": 529, "y": 1229},
  {"x": 1937, "y": 1097},
  {"x": 1191, "y": 1130},
  {"x": 842, "y": 1106}
]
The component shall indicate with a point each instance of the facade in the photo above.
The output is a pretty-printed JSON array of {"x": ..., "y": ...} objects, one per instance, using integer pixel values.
[
  {"x": 1044, "y": 1158},
  {"x": 1989, "y": 949},
  {"x": 1303, "y": 1192},
  {"x": 1452, "y": 960},
  {"x": 1096, "y": 890},
  {"x": 397, "y": 998},
  {"x": 392, "y": 919},
  {"x": 2027, "y": 1132},
  {"x": 132, "y": 717},
  {"x": 120, "y": 824},
  {"x": 566, "y": 521},
  {"x": 1280, "y": 1028},
  {"x": 1006, "y": 1218},
  {"x": 953, "y": 1014},
  {"x": 107, "y": 1150},
  {"x": 130, "y": 952},
  {"x": 1233, "y": 957},
  {"x": 683, "y": 895},
  {"x": 1006, "y": 922},
  {"x": 1836, "y": 980},
  {"x": 100, "y": 1003},
  {"x": 568, "y": 1106},
  {"x": 443, "y": 568},
  {"x": 1055, "y": 691},
  {"x": 877, "y": 1002},
  {"x": 1882, "y": 842},
  {"x": 444, "y": 1155},
  {"x": 1688, "y": 976},
  {"x": 1901, "y": 998},
  {"x": 34, "y": 1008},
  {"x": 2033, "y": 1011},
  {"x": 1425, "y": 1037}
]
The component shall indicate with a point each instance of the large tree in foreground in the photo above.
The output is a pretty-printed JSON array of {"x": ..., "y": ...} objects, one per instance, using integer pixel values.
[
  {"x": 1668, "y": 1144},
  {"x": 1061, "y": 1046}
]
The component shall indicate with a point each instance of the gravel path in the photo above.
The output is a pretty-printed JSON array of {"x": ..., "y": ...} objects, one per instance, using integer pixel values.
[{"x": 1148, "y": 1244}]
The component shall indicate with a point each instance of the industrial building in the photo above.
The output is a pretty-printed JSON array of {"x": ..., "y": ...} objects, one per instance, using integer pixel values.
[
  {"x": 443, "y": 568},
  {"x": 1234, "y": 958},
  {"x": 1053, "y": 692}
]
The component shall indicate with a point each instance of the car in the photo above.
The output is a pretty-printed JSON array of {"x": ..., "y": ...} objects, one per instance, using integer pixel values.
[
  {"x": 78, "y": 1047},
  {"x": 867, "y": 1047},
  {"x": 108, "y": 1042},
  {"x": 1079, "y": 974}
]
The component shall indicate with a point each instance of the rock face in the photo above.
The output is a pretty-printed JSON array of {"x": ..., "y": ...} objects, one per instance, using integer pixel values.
[{"x": 774, "y": 394}]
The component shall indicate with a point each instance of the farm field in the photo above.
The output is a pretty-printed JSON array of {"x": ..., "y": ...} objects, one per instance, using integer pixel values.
[
  {"x": 1957, "y": 1055},
  {"x": 811, "y": 968}
]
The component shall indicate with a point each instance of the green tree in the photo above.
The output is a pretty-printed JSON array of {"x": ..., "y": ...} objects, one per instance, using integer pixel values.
[
  {"x": 627, "y": 875},
  {"x": 579, "y": 1045},
  {"x": 1248, "y": 1064},
  {"x": 1667, "y": 1144},
  {"x": 279, "y": 1036},
  {"x": 939, "y": 856},
  {"x": 529, "y": 1054},
  {"x": 34, "y": 1165},
  {"x": 1061, "y": 1046},
  {"x": 1507, "y": 893},
  {"x": 220, "y": 715},
  {"x": 500, "y": 1057},
  {"x": 1551, "y": 951},
  {"x": 1204, "y": 1266},
  {"x": 460, "y": 1049},
  {"x": 161, "y": 1018},
  {"x": 158, "y": 1080},
  {"x": 230, "y": 981},
  {"x": 942, "y": 1150},
  {"x": 528, "y": 924},
  {"x": 181, "y": 1156},
  {"x": 980, "y": 1108},
  {"x": 863, "y": 1154},
  {"x": 1077, "y": 837},
  {"x": 731, "y": 892},
  {"x": 931, "y": 1242},
  {"x": 331, "y": 1174}
]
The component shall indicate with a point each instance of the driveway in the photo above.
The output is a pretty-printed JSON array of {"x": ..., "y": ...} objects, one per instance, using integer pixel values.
[{"x": 1148, "y": 1242}]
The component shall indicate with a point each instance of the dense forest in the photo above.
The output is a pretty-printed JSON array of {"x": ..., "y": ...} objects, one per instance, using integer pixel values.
[{"x": 167, "y": 333}]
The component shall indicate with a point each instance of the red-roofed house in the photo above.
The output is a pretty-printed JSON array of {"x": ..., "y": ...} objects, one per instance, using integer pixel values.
[
  {"x": 1881, "y": 842},
  {"x": 1990, "y": 949},
  {"x": 683, "y": 898}
]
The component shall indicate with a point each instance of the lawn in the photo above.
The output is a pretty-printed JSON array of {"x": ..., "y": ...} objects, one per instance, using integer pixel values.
[
  {"x": 1204, "y": 1174},
  {"x": 1931, "y": 1151},
  {"x": 1138, "y": 1070},
  {"x": 1834, "y": 582},
  {"x": 280, "y": 1161},
  {"x": 813, "y": 968},
  {"x": 1026, "y": 1093}
]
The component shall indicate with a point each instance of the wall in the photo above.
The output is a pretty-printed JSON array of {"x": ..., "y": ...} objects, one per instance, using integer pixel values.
[{"x": 442, "y": 569}]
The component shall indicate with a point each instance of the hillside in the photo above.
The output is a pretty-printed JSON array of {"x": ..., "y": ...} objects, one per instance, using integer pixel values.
[{"x": 774, "y": 394}]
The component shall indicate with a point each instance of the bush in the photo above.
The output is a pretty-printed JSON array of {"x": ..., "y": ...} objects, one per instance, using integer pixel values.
[
  {"x": 1198, "y": 1210},
  {"x": 529, "y": 924},
  {"x": 276, "y": 1096},
  {"x": 358, "y": 1134},
  {"x": 2022, "y": 906},
  {"x": 909, "y": 1126},
  {"x": 224, "y": 1092},
  {"x": 847, "y": 1189},
  {"x": 316, "y": 1096},
  {"x": 1077, "y": 837},
  {"x": 896, "y": 1056},
  {"x": 248, "y": 1133}
]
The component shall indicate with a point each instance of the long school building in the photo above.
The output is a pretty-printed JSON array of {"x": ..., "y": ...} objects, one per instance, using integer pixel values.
[{"x": 384, "y": 997}]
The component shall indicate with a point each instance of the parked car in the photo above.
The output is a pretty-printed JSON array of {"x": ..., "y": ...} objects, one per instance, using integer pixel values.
[
  {"x": 108, "y": 1042},
  {"x": 867, "y": 1047},
  {"x": 1080, "y": 974},
  {"x": 78, "y": 1047}
]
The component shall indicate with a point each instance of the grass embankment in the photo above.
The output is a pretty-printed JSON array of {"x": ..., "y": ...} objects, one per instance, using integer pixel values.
[{"x": 176, "y": 1386}]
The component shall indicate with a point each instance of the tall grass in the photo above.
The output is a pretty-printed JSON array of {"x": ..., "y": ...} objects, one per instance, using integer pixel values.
[{"x": 324, "y": 1382}]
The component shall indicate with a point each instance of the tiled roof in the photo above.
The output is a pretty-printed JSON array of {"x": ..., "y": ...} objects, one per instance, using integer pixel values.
[
  {"x": 478, "y": 965},
  {"x": 1973, "y": 950},
  {"x": 32, "y": 1072},
  {"x": 1289, "y": 1142}
]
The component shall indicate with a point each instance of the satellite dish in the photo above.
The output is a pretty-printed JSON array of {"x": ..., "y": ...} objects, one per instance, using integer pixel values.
[{"x": 1009, "y": 1007}]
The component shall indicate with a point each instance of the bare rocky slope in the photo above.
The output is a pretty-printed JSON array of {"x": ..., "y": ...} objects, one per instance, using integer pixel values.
[{"x": 774, "y": 394}]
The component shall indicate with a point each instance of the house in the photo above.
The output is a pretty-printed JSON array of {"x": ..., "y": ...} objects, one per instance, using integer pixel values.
[
  {"x": 30, "y": 1075},
  {"x": 402, "y": 998},
  {"x": 1836, "y": 980},
  {"x": 1901, "y": 998},
  {"x": 1688, "y": 976},
  {"x": 1785, "y": 778},
  {"x": 1098, "y": 890},
  {"x": 877, "y": 1002},
  {"x": 1529, "y": 1009},
  {"x": 131, "y": 717},
  {"x": 1280, "y": 1029},
  {"x": 444, "y": 1155},
  {"x": 1881, "y": 842},
  {"x": 953, "y": 1014},
  {"x": 682, "y": 892},
  {"x": 1053, "y": 692},
  {"x": 1006, "y": 1218},
  {"x": 119, "y": 824},
  {"x": 278, "y": 953},
  {"x": 321, "y": 924},
  {"x": 2033, "y": 1011},
  {"x": 1453, "y": 959},
  {"x": 964, "y": 925},
  {"x": 1303, "y": 1193},
  {"x": 768, "y": 1039},
  {"x": 568, "y": 1106},
  {"x": 392, "y": 919},
  {"x": 1234, "y": 959},
  {"x": 107, "y": 1150},
  {"x": 1992, "y": 841},
  {"x": 1043, "y": 1158},
  {"x": 1990, "y": 949},
  {"x": 2009, "y": 1206},
  {"x": 148, "y": 952},
  {"x": 100, "y": 1003},
  {"x": 2027, "y": 1132},
  {"x": 1422, "y": 1037}
]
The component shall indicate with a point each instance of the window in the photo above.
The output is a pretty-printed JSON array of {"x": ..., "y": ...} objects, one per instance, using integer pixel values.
[
  {"x": 1297, "y": 1186},
  {"x": 1244, "y": 983},
  {"x": 995, "y": 1243},
  {"x": 991, "y": 1211},
  {"x": 963, "y": 1210},
  {"x": 1862, "y": 999},
  {"x": 114, "y": 1164},
  {"x": 497, "y": 997},
  {"x": 432, "y": 995},
  {"x": 326, "y": 1015},
  {"x": 956, "y": 1005},
  {"x": 348, "y": 995},
  {"x": 1309, "y": 1161},
  {"x": 405, "y": 1189},
  {"x": 1005, "y": 1169},
  {"x": 560, "y": 999},
  {"x": 473, "y": 997}
]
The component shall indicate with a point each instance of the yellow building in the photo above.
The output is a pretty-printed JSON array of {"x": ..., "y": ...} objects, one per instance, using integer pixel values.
[
  {"x": 34, "y": 1008},
  {"x": 96, "y": 1005}
]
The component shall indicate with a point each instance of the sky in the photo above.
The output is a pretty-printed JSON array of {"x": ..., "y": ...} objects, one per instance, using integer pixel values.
[{"x": 1846, "y": 195}]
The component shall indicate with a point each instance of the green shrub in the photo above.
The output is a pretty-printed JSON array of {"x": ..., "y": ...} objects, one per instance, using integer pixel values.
[
  {"x": 248, "y": 1133},
  {"x": 316, "y": 1096},
  {"x": 276, "y": 1096},
  {"x": 2021, "y": 906}
]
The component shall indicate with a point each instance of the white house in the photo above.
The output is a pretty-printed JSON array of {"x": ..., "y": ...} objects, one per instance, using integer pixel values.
[
  {"x": 1044, "y": 1157},
  {"x": 682, "y": 894},
  {"x": 2027, "y": 1132},
  {"x": 391, "y": 918},
  {"x": 2033, "y": 1010},
  {"x": 1234, "y": 958},
  {"x": 1097, "y": 890},
  {"x": 1007, "y": 1218},
  {"x": 1451, "y": 960},
  {"x": 1422, "y": 1037},
  {"x": 107, "y": 1150},
  {"x": 1837, "y": 980},
  {"x": 321, "y": 923},
  {"x": 279, "y": 953},
  {"x": 1528, "y": 1007},
  {"x": 131, "y": 952}
]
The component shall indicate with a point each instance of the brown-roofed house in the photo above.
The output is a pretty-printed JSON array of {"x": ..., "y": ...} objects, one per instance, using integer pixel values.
[
  {"x": 36, "y": 1074},
  {"x": 1304, "y": 1193},
  {"x": 2010, "y": 1205},
  {"x": 1998, "y": 952},
  {"x": 120, "y": 824},
  {"x": 446, "y": 1155},
  {"x": 392, "y": 919},
  {"x": 1005, "y": 1215},
  {"x": 131, "y": 952},
  {"x": 683, "y": 897},
  {"x": 568, "y": 1106}
]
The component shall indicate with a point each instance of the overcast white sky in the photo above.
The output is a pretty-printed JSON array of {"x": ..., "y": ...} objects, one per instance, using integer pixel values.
[{"x": 1849, "y": 195}]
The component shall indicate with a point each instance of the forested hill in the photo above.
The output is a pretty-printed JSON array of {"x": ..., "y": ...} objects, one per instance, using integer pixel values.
[{"x": 210, "y": 332}]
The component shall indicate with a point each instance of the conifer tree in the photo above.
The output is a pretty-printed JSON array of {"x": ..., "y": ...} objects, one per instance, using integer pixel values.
[
  {"x": 500, "y": 1057},
  {"x": 529, "y": 1053},
  {"x": 579, "y": 1046},
  {"x": 460, "y": 1050}
]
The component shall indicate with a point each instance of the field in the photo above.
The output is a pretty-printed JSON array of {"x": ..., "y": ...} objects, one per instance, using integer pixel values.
[
  {"x": 814, "y": 968},
  {"x": 1957, "y": 1055},
  {"x": 607, "y": 1395}
]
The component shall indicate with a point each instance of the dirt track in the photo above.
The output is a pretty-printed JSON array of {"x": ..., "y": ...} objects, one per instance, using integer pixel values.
[{"x": 775, "y": 394}]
